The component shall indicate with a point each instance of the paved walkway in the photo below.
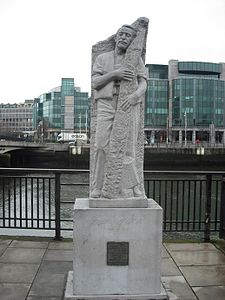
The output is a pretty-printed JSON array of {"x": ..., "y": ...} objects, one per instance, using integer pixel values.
[{"x": 37, "y": 270}]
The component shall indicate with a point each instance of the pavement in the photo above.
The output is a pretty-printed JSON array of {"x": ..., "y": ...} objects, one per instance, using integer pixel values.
[{"x": 36, "y": 269}]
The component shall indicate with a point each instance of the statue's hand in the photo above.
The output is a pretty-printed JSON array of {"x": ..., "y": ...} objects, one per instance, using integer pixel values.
[
  {"x": 123, "y": 74},
  {"x": 128, "y": 102}
]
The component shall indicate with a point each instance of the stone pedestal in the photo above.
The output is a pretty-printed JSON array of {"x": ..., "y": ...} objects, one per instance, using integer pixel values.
[{"x": 117, "y": 253}]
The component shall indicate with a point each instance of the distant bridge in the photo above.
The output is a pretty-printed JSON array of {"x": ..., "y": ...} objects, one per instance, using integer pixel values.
[
  {"x": 8, "y": 146},
  {"x": 176, "y": 147}
]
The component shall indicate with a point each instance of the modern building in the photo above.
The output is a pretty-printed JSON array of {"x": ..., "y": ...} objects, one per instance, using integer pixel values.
[
  {"x": 62, "y": 109},
  {"x": 156, "y": 104},
  {"x": 185, "y": 102},
  {"x": 16, "y": 119}
]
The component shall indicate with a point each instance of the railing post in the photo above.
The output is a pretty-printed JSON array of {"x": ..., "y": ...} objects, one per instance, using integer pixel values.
[
  {"x": 222, "y": 209},
  {"x": 57, "y": 207},
  {"x": 208, "y": 208}
]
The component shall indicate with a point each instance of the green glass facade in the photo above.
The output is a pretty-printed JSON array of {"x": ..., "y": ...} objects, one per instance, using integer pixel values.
[
  {"x": 81, "y": 111},
  {"x": 55, "y": 112},
  {"x": 200, "y": 68},
  {"x": 63, "y": 108},
  {"x": 201, "y": 99},
  {"x": 37, "y": 112},
  {"x": 67, "y": 87},
  {"x": 157, "y": 71},
  {"x": 185, "y": 99},
  {"x": 156, "y": 103}
]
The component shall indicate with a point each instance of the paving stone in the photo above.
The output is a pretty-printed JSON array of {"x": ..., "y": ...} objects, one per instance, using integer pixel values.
[
  {"x": 190, "y": 246},
  {"x": 47, "y": 290},
  {"x": 3, "y": 248},
  {"x": 59, "y": 255},
  {"x": 3, "y": 245},
  {"x": 50, "y": 278},
  {"x": 199, "y": 257},
  {"x": 13, "y": 291},
  {"x": 48, "y": 285},
  {"x": 20, "y": 273},
  {"x": 5, "y": 242},
  {"x": 164, "y": 252},
  {"x": 204, "y": 275},
  {"x": 43, "y": 298},
  {"x": 210, "y": 292},
  {"x": 177, "y": 288},
  {"x": 61, "y": 245},
  {"x": 18, "y": 255},
  {"x": 169, "y": 268},
  {"x": 56, "y": 267},
  {"x": 29, "y": 244}
]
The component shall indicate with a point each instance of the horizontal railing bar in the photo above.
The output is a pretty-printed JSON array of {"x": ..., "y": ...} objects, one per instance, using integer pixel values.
[
  {"x": 69, "y": 171},
  {"x": 29, "y": 219},
  {"x": 38, "y": 170},
  {"x": 27, "y": 176},
  {"x": 36, "y": 228},
  {"x": 74, "y": 184}
]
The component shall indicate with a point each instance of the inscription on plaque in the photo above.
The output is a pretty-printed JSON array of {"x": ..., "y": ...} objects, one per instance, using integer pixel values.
[{"x": 117, "y": 253}]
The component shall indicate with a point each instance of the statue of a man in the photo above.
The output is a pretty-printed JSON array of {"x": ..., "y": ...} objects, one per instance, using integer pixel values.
[{"x": 119, "y": 81}]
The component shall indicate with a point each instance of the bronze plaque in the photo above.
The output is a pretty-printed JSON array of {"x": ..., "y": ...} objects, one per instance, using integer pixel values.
[{"x": 117, "y": 253}]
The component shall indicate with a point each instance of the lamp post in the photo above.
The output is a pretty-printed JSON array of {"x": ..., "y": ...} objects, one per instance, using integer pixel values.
[
  {"x": 86, "y": 120},
  {"x": 167, "y": 129},
  {"x": 80, "y": 122},
  {"x": 185, "y": 128}
]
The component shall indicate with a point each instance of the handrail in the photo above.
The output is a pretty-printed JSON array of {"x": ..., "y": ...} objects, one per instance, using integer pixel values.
[{"x": 68, "y": 171}]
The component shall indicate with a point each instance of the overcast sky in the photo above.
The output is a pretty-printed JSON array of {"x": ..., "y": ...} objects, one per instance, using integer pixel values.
[{"x": 42, "y": 41}]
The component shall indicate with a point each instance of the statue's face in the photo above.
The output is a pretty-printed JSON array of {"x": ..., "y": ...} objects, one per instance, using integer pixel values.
[{"x": 124, "y": 37}]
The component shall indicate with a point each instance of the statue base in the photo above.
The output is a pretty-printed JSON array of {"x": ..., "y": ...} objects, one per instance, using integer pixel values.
[
  {"x": 117, "y": 253},
  {"x": 70, "y": 296},
  {"x": 133, "y": 202}
]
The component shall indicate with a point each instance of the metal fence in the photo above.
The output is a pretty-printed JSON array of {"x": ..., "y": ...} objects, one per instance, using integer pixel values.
[{"x": 43, "y": 199}]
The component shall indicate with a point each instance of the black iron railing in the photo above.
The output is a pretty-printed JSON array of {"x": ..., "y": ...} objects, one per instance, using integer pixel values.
[{"x": 43, "y": 199}]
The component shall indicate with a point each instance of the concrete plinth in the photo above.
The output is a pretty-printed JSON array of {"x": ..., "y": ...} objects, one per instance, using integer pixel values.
[{"x": 117, "y": 253}]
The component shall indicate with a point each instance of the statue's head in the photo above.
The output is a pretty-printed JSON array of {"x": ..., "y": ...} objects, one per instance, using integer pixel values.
[{"x": 125, "y": 36}]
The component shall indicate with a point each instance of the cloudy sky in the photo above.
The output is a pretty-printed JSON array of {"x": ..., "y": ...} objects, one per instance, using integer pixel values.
[{"x": 45, "y": 40}]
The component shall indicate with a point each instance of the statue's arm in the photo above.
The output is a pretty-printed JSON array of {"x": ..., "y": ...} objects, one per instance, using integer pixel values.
[
  {"x": 100, "y": 78},
  {"x": 99, "y": 81},
  {"x": 142, "y": 86},
  {"x": 135, "y": 97}
]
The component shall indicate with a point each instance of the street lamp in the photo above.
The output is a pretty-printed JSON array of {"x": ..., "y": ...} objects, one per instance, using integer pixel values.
[
  {"x": 167, "y": 129},
  {"x": 80, "y": 121},
  {"x": 185, "y": 128},
  {"x": 86, "y": 120}
]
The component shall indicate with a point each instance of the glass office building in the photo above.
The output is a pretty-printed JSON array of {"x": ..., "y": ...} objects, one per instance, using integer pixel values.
[
  {"x": 156, "y": 103},
  {"x": 195, "y": 102},
  {"x": 82, "y": 112},
  {"x": 63, "y": 109}
]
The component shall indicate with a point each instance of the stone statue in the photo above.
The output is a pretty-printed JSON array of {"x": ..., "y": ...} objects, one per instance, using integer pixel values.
[{"x": 119, "y": 82}]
